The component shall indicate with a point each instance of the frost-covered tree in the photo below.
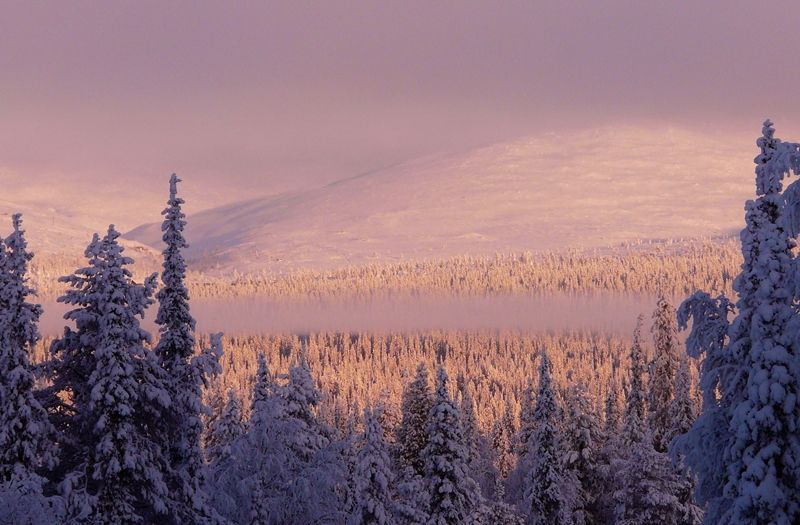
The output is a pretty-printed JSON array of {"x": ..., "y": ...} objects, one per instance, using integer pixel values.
[
  {"x": 649, "y": 490},
  {"x": 500, "y": 512},
  {"x": 527, "y": 422},
  {"x": 549, "y": 493},
  {"x": 705, "y": 445},
  {"x": 412, "y": 435},
  {"x": 764, "y": 463},
  {"x": 749, "y": 424},
  {"x": 469, "y": 422},
  {"x": 187, "y": 374},
  {"x": 25, "y": 431},
  {"x": 119, "y": 475},
  {"x": 373, "y": 476},
  {"x": 503, "y": 444},
  {"x": 612, "y": 414},
  {"x": 633, "y": 430},
  {"x": 287, "y": 454},
  {"x": 662, "y": 373},
  {"x": 226, "y": 429},
  {"x": 411, "y": 499},
  {"x": 262, "y": 390},
  {"x": 455, "y": 496},
  {"x": 682, "y": 409},
  {"x": 583, "y": 442}
]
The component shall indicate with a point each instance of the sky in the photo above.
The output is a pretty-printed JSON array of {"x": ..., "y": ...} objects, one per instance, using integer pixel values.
[{"x": 243, "y": 97}]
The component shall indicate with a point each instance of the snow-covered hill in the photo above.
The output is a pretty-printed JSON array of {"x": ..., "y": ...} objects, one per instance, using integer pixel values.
[{"x": 590, "y": 189}]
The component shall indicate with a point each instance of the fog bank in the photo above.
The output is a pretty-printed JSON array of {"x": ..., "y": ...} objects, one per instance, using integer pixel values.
[{"x": 608, "y": 312}]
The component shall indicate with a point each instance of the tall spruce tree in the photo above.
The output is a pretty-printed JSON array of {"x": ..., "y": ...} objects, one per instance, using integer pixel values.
[
  {"x": 650, "y": 490},
  {"x": 633, "y": 430},
  {"x": 226, "y": 429},
  {"x": 549, "y": 491},
  {"x": 412, "y": 436},
  {"x": 187, "y": 375},
  {"x": 764, "y": 463},
  {"x": 25, "y": 431},
  {"x": 455, "y": 496},
  {"x": 119, "y": 475},
  {"x": 682, "y": 409},
  {"x": 373, "y": 476},
  {"x": 662, "y": 373},
  {"x": 745, "y": 446}
]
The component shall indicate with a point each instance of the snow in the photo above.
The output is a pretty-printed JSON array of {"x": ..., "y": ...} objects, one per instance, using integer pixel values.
[{"x": 593, "y": 188}]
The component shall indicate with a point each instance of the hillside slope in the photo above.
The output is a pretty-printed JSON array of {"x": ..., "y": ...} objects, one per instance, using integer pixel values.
[{"x": 591, "y": 189}]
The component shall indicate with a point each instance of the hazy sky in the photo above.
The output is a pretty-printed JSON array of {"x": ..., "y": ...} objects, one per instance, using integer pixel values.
[{"x": 272, "y": 95}]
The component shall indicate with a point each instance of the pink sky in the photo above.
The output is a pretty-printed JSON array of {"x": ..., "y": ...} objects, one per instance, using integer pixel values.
[{"x": 275, "y": 95}]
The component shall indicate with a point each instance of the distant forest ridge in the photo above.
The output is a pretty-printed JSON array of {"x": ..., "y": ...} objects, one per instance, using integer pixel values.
[{"x": 674, "y": 268}]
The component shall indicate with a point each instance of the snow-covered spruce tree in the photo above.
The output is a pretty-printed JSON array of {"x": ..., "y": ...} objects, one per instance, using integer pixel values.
[
  {"x": 527, "y": 421},
  {"x": 25, "y": 431},
  {"x": 550, "y": 489},
  {"x": 583, "y": 442},
  {"x": 412, "y": 435},
  {"x": 73, "y": 361},
  {"x": 469, "y": 422},
  {"x": 373, "y": 476},
  {"x": 187, "y": 375},
  {"x": 633, "y": 429},
  {"x": 120, "y": 475},
  {"x": 745, "y": 447},
  {"x": 612, "y": 414},
  {"x": 259, "y": 504},
  {"x": 286, "y": 449},
  {"x": 764, "y": 463},
  {"x": 262, "y": 390},
  {"x": 649, "y": 489},
  {"x": 682, "y": 409},
  {"x": 500, "y": 512},
  {"x": 662, "y": 373},
  {"x": 226, "y": 429},
  {"x": 705, "y": 445},
  {"x": 503, "y": 445},
  {"x": 455, "y": 496},
  {"x": 411, "y": 499}
]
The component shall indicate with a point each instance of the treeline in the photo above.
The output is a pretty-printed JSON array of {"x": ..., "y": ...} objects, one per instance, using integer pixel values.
[{"x": 676, "y": 270}]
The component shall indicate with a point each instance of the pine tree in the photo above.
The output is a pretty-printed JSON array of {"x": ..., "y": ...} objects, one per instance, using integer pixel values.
[
  {"x": 226, "y": 429},
  {"x": 650, "y": 490},
  {"x": 633, "y": 430},
  {"x": 469, "y": 421},
  {"x": 74, "y": 360},
  {"x": 187, "y": 375},
  {"x": 764, "y": 464},
  {"x": 612, "y": 414},
  {"x": 745, "y": 447},
  {"x": 662, "y": 373},
  {"x": 373, "y": 475},
  {"x": 25, "y": 430},
  {"x": 527, "y": 421},
  {"x": 411, "y": 499},
  {"x": 120, "y": 476},
  {"x": 503, "y": 444},
  {"x": 682, "y": 409},
  {"x": 455, "y": 496},
  {"x": 412, "y": 436},
  {"x": 549, "y": 489},
  {"x": 262, "y": 391},
  {"x": 259, "y": 506},
  {"x": 704, "y": 447},
  {"x": 300, "y": 397},
  {"x": 583, "y": 442}
]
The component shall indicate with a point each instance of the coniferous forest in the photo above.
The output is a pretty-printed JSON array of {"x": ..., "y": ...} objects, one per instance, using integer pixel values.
[{"x": 692, "y": 418}]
